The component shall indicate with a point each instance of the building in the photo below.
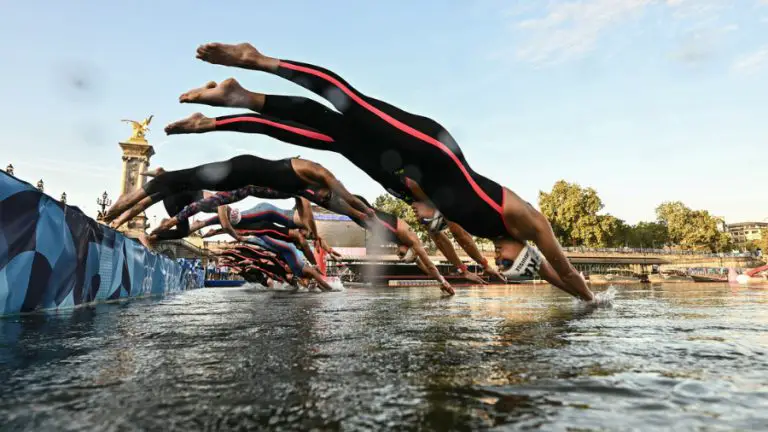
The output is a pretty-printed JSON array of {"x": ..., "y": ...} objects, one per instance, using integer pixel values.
[
  {"x": 746, "y": 232},
  {"x": 339, "y": 231}
]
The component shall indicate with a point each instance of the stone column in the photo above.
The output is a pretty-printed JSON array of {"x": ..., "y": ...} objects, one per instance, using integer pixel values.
[{"x": 136, "y": 155}]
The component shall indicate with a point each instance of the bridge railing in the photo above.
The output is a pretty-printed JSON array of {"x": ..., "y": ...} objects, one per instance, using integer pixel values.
[{"x": 653, "y": 251}]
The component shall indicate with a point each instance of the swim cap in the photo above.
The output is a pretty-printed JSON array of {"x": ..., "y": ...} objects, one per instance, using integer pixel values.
[
  {"x": 234, "y": 216},
  {"x": 436, "y": 223},
  {"x": 410, "y": 256},
  {"x": 527, "y": 263}
]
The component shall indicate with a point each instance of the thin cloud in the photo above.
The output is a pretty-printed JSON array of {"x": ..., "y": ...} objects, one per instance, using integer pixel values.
[
  {"x": 569, "y": 30},
  {"x": 753, "y": 62}
]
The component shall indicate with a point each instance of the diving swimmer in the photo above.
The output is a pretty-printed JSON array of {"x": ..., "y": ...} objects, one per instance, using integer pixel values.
[
  {"x": 287, "y": 118},
  {"x": 432, "y": 160},
  {"x": 287, "y": 175}
]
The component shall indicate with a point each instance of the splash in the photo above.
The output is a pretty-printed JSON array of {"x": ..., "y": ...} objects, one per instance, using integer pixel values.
[
  {"x": 336, "y": 285},
  {"x": 602, "y": 299},
  {"x": 605, "y": 298}
]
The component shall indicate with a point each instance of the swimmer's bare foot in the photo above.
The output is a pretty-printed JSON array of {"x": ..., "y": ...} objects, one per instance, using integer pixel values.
[
  {"x": 154, "y": 173},
  {"x": 228, "y": 93},
  {"x": 242, "y": 55},
  {"x": 144, "y": 239},
  {"x": 196, "y": 123}
]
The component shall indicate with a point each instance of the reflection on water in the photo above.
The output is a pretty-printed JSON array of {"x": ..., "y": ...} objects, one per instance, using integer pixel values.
[{"x": 677, "y": 356}]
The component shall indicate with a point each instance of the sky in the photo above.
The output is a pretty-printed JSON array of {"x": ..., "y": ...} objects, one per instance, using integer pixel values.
[{"x": 643, "y": 100}]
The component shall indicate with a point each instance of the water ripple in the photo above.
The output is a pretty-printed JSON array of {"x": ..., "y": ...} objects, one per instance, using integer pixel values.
[{"x": 662, "y": 357}]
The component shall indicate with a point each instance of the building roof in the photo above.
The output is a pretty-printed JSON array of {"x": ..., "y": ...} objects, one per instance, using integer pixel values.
[{"x": 744, "y": 224}]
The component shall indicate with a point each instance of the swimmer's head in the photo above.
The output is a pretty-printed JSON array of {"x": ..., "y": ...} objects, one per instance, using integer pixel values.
[
  {"x": 436, "y": 223},
  {"x": 526, "y": 264},
  {"x": 405, "y": 254},
  {"x": 234, "y": 216}
]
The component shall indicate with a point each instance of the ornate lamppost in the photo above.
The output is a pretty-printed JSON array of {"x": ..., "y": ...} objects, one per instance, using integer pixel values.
[
  {"x": 104, "y": 202},
  {"x": 40, "y": 185},
  {"x": 63, "y": 198},
  {"x": 9, "y": 169}
]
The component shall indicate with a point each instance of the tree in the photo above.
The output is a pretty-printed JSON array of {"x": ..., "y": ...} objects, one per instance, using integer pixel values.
[
  {"x": 573, "y": 213},
  {"x": 649, "y": 235},
  {"x": 763, "y": 243},
  {"x": 389, "y": 204},
  {"x": 692, "y": 229}
]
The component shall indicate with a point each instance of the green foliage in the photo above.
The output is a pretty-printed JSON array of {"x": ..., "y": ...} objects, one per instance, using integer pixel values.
[
  {"x": 572, "y": 212},
  {"x": 763, "y": 243},
  {"x": 692, "y": 229},
  {"x": 389, "y": 204},
  {"x": 649, "y": 235}
]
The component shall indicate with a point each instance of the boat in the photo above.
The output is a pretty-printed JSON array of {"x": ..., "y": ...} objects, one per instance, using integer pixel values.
[
  {"x": 216, "y": 283},
  {"x": 615, "y": 275},
  {"x": 709, "y": 274},
  {"x": 709, "y": 278},
  {"x": 670, "y": 276}
]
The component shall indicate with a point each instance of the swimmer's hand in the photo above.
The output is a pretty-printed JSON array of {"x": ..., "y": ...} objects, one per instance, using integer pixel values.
[
  {"x": 472, "y": 277},
  {"x": 446, "y": 287},
  {"x": 324, "y": 246},
  {"x": 492, "y": 272}
]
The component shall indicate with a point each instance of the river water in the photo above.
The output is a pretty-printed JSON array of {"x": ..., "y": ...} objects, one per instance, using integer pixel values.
[{"x": 674, "y": 357}]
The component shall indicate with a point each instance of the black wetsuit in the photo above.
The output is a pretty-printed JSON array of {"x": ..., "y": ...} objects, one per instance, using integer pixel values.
[
  {"x": 388, "y": 220},
  {"x": 428, "y": 153},
  {"x": 173, "y": 205},
  {"x": 213, "y": 202},
  {"x": 389, "y": 144},
  {"x": 227, "y": 175},
  {"x": 304, "y": 122}
]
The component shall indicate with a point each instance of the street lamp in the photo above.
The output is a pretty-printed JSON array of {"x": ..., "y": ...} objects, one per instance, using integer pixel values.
[
  {"x": 104, "y": 202},
  {"x": 63, "y": 198},
  {"x": 40, "y": 185},
  {"x": 9, "y": 169}
]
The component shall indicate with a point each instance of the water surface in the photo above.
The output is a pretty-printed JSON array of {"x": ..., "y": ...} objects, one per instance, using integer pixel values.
[{"x": 675, "y": 357}]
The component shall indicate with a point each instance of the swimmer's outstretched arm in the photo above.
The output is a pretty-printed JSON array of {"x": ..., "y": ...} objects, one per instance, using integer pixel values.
[
  {"x": 213, "y": 232},
  {"x": 421, "y": 254},
  {"x": 443, "y": 244},
  {"x": 467, "y": 243},
  {"x": 226, "y": 224},
  {"x": 314, "y": 274},
  {"x": 304, "y": 246},
  {"x": 305, "y": 215}
]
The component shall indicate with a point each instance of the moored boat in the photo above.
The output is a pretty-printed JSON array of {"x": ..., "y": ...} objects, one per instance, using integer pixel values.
[{"x": 615, "y": 276}]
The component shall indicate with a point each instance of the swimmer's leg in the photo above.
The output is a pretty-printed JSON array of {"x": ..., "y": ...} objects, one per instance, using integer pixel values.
[
  {"x": 229, "y": 93},
  {"x": 376, "y": 115},
  {"x": 134, "y": 211},
  {"x": 284, "y": 130}
]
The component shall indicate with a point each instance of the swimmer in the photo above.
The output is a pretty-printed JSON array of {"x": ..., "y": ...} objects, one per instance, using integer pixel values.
[
  {"x": 394, "y": 229},
  {"x": 300, "y": 216},
  {"x": 286, "y": 175},
  {"x": 433, "y": 160},
  {"x": 252, "y": 260},
  {"x": 287, "y": 121},
  {"x": 290, "y": 255},
  {"x": 173, "y": 204},
  {"x": 297, "y": 236}
]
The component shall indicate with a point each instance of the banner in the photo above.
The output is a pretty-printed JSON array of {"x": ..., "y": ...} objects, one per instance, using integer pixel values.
[{"x": 53, "y": 256}]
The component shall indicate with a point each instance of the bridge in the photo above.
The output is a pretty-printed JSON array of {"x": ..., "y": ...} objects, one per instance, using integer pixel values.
[{"x": 181, "y": 249}]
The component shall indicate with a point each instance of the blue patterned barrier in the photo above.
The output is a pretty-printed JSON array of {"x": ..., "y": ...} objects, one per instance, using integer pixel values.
[{"x": 53, "y": 256}]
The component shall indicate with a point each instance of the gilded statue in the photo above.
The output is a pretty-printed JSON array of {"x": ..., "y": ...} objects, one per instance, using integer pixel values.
[{"x": 139, "y": 128}]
